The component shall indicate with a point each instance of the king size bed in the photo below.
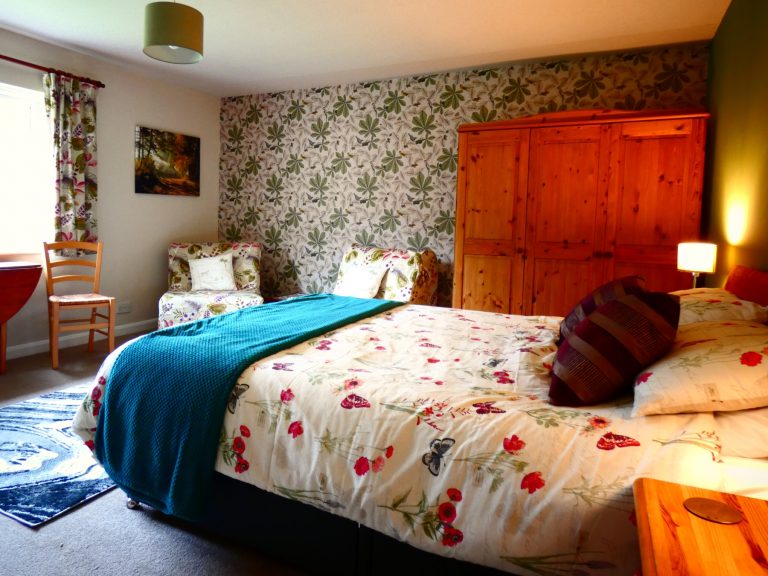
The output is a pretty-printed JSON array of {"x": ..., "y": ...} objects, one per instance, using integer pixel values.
[{"x": 433, "y": 426}]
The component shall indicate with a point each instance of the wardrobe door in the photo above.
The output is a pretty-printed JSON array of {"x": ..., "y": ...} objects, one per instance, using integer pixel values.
[
  {"x": 490, "y": 212},
  {"x": 566, "y": 215},
  {"x": 658, "y": 179}
]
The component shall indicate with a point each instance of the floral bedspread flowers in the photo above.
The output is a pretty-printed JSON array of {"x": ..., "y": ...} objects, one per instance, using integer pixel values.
[{"x": 432, "y": 425}]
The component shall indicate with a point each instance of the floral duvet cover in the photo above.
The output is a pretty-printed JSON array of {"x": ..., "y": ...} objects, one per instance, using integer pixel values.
[{"x": 432, "y": 425}]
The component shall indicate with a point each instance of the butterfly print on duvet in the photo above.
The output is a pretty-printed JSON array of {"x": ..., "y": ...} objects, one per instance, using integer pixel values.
[
  {"x": 487, "y": 408},
  {"x": 355, "y": 401},
  {"x": 234, "y": 396},
  {"x": 609, "y": 441},
  {"x": 433, "y": 459}
]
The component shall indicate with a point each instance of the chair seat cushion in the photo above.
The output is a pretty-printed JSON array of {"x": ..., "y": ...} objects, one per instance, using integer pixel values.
[
  {"x": 179, "y": 307},
  {"x": 65, "y": 299}
]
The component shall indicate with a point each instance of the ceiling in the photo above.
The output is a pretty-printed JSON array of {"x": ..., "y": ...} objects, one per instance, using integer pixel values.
[{"x": 254, "y": 46}]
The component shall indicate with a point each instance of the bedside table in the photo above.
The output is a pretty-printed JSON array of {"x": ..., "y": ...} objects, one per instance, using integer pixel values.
[{"x": 675, "y": 541}]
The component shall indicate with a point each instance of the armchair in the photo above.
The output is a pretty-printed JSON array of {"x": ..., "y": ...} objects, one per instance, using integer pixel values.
[{"x": 185, "y": 301}]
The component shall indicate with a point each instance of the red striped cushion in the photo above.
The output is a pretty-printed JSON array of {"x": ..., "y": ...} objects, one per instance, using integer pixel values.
[
  {"x": 600, "y": 358},
  {"x": 605, "y": 293}
]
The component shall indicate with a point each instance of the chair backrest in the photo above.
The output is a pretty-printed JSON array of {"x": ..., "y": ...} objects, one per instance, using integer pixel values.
[
  {"x": 246, "y": 263},
  {"x": 64, "y": 269},
  {"x": 411, "y": 276}
]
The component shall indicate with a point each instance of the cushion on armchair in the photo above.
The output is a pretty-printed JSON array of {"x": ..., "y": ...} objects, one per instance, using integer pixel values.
[
  {"x": 184, "y": 303},
  {"x": 410, "y": 276}
]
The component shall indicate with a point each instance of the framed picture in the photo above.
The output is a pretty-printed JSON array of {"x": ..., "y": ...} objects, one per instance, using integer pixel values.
[{"x": 166, "y": 163}]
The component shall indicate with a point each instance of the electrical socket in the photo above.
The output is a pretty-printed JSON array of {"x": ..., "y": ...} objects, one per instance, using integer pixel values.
[{"x": 124, "y": 307}]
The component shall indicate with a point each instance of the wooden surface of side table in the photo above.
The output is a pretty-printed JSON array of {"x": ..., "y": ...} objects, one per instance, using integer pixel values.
[
  {"x": 674, "y": 541},
  {"x": 18, "y": 281}
]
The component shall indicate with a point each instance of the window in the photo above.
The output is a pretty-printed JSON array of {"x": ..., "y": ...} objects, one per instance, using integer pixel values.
[{"x": 27, "y": 190}]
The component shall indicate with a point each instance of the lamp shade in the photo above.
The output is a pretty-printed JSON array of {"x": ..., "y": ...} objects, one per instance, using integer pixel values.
[
  {"x": 696, "y": 257},
  {"x": 173, "y": 33}
]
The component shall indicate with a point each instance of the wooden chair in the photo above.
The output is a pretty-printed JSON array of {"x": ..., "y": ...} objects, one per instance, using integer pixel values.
[{"x": 64, "y": 270}]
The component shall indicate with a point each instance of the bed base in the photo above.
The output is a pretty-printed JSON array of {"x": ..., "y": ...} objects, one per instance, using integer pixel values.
[{"x": 313, "y": 540}]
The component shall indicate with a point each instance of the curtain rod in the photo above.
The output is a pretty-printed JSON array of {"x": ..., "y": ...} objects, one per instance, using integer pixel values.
[{"x": 54, "y": 70}]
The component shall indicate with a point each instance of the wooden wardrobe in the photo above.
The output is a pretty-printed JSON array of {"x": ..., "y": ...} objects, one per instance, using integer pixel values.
[{"x": 551, "y": 206}]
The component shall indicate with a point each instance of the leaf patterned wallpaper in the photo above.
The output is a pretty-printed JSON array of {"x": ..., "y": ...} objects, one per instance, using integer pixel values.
[{"x": 307, "y": 172}]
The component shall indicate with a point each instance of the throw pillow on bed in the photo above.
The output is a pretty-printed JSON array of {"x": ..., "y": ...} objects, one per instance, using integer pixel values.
[
  {"x": 212, "y": 273},
  {"x": 359, "y": 281},
  {"x": 713, "y": 366},
  {"x": 600, "y": 358},
  {"x": 605, "y": 293}
]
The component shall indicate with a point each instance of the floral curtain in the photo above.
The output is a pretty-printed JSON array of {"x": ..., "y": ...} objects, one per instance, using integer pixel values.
[{"x": 71, "y": 108}]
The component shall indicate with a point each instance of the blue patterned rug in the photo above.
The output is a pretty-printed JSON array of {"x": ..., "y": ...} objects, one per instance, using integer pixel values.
[{"x": 45, "y": 469}]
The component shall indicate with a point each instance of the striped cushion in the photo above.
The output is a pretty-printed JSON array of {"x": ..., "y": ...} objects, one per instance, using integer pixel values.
[
  {"x": 605, "y": 293},
  {"x": 600, "y": 358}
]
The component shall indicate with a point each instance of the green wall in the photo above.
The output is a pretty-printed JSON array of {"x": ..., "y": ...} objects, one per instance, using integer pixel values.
[
  {"x": 307, "y": 172},
  {"x": 738, "y": 142}
]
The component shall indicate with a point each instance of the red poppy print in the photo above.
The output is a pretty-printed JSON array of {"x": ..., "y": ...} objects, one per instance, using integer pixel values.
[
  {"x": 513, "y": 444},
  {"x": 389, "y": 451},
  {"x": 378, "y": 464},
  {"x": 452, "y": 536},
  {"x": 90, "y": 444},
  {"x": 238, "y": 445},
  {"x": 350, "y": 383},
  {"x": 362, "y": 466},
  {"x": 96, "y": 393},
  {"x": 355, "y": 401},
  {"x": 245, "y": 432},
  {"x": 454, "y": 494},
  {"x": 751, "y": 358},
  {"x": 643, "y": 377},
  {"x": 609, "y": 441},
  {"x": 295, "y": 429},
  {"x": 433, "y": 360},
  {"x": 502, "y": 377},
  {"x": 532, "y": 482},
  {"x": 446, "y": 512},
  {"x": 598, "y": 422},
  {"x": 286, "y": 395},
  {"x": 242, "y": 465}
]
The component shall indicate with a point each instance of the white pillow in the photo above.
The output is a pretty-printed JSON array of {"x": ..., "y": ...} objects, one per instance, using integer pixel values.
[
  {"x": 712, "y": 366},
  {"x": 717, "y": 304},
  {"x": 212, "y": 273},
  {"x": 359, "y": 281}
]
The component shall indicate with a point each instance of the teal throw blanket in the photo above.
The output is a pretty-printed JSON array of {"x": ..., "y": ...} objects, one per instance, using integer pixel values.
[{"x": 166, "y": 394}]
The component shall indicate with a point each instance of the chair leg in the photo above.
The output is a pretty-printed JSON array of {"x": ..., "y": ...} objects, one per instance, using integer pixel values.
[
  {"x": 91, "y": 333},
  {"x": 54, "y": 336},
  {"x": 111, "y": 329}
]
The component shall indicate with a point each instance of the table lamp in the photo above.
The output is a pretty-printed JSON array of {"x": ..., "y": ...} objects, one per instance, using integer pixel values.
[{"x": 696, "y": 258}]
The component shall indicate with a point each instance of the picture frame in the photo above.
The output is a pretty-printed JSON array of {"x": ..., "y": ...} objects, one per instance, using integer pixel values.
[{"x": 166, "y": 162}]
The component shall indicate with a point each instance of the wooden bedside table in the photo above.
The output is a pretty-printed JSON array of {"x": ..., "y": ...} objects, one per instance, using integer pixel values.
[{"x": 675, "y": 541}]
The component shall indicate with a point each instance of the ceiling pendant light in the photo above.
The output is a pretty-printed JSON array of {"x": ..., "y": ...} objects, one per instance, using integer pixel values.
[{"x": 173, "y": 33}]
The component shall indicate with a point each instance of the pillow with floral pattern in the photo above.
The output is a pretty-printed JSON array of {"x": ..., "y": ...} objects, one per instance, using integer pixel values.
[
  {"x": 712, "y": 366},
  {"x": 717, "y": 305}
]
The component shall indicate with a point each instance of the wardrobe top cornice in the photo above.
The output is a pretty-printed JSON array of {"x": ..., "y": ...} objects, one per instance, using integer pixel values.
[{"x": 592, "y": 116}]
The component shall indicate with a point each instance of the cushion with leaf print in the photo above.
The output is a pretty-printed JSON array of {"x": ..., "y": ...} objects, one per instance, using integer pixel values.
[
  {"x": 410, "y": 275},
  {"x": 246, "y": 257},
  {"x": 717, "y": 305},
  {"x": 712, "y": 366}
]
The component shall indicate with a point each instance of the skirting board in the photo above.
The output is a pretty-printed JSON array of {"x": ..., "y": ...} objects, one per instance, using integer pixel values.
[{"x": 38, "y": 346}]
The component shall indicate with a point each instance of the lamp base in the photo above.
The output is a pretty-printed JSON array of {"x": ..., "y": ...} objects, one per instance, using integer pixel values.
[{"x": 695, "y": 277}]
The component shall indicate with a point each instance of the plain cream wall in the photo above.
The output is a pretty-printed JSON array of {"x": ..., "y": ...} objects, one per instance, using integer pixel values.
[{"x": 135, "y": 228}]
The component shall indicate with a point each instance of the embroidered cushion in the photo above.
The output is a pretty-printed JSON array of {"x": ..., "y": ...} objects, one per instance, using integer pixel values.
[
  {"x": 600, "y": 358},
  {"x": 212, "y": 273},
  {"x": 605, "y": 293}
]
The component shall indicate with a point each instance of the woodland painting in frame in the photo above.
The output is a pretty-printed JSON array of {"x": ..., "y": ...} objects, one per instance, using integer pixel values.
[{"x": 166, "y": 163}]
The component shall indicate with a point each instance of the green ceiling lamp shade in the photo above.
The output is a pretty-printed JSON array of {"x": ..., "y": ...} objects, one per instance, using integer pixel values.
[{"x": 173, "y": 33}]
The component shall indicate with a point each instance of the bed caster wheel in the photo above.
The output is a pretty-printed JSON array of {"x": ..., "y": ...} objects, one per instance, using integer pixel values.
[{"x": 132, "y": 504}]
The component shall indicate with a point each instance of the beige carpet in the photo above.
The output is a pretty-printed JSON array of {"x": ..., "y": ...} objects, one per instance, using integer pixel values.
[{"x": 103, "y": 536}]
